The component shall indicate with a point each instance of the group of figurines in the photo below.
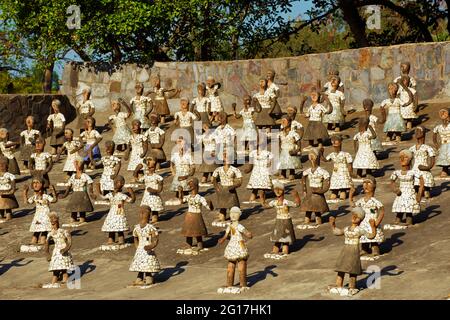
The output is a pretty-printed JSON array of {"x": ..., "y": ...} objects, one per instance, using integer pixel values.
[{"x": 141, "y": 147}]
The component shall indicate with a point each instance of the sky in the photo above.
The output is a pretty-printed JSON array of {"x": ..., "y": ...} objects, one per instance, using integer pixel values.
[{"x": 298, "y": 9}]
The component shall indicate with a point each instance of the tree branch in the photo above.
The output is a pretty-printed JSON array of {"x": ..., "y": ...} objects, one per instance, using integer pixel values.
[
  {"x": 404, "y": 12},
  {"x": 300, "y": 27}
]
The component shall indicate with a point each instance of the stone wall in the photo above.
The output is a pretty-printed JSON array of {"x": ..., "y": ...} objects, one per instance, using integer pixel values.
[
  {"x": 14, "y": 108},
  {"x": 365, "y": 73}
]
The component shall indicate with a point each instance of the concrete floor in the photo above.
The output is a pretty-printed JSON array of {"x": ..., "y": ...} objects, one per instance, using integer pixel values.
[{"x": 415, "y": 264}]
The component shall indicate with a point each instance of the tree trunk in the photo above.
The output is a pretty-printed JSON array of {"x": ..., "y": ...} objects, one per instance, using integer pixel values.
[
  {"x": 448, "y": 15},
  {"x": 234, "y": 47},
  {"x": 48, "y": 78},
  {"x": 205, "y": 47},
  {"x": 355, "y": 22}
]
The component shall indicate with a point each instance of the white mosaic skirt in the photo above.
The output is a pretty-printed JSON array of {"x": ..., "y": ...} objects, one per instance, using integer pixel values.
[
  {"x": 248, "y": 132},
  {"x": 216, "y": 104},
  {"x": 153, "y": 201},
  {"x": 335, "y": 116},
  {"x": 176, "y": 184},
  {"x": 340, "y": 180},
  {"x": 288, "y": 162},
  {"x": 407, "y": 202},
  {"x": 365, "y": 159},
  {"x": 135, "y": 160},
  {"x": 408, "y": 112},
  {"x": 60, "y": 261},
  {"x": 234, "y": 251},
  {"x": 121, "y": 135},
  {"x": 366, "y": 226},
  {"x": 144, "y": 261},
  {"x": 41, "y": 222},
  {"x": 443, "y": 158},
  {"x": 427, "y": 176},
  {"x": 115, "y": 223},
  {"x": 106, "y": 183},
  {"x": 69, "y": 165},
  {"x": 259, "y": 179}
]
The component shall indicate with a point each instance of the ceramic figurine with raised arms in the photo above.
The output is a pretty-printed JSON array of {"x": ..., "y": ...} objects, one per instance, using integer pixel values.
[
  {"x": 373, "y": 120},
  {"x": 212, "y": 92},
  {"x": 407, "y": 94},
  {"x": 159, "y": 96},
  {"x": 7, "y": 149},
  {"x": 263, "y": 104},
  {"x": 79, "y": 203},
  {"x": 349, "y": 261},
  {"x": 316, "y": 132}
]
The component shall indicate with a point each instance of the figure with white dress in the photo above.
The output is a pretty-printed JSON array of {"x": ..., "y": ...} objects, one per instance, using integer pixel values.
[
  {"x": 441, "y": 141},
  {"x": 40, "y": 226},
  {"x": 424, "y": 158},
  {"x": 118, "y": 121},
  {"x": 365, "y": 158},
  {"x": 137, "y": 146},
  {"x": 236, "y": 251},
  {"x": 407, "y": 201},
  {"x": 73, "y": 148},
  {"x": 145, "y": 262},
  {"x": 373, "y": 209},
  {"x": 116, "y": 221},
  {"x": 341, "y": 177},
  {"x": 153, "y": 184},
  {"x": 61, "y": 261}
]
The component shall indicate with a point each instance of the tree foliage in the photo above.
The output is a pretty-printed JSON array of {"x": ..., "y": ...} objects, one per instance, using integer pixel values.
[{"x": 141, "y": 31}]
